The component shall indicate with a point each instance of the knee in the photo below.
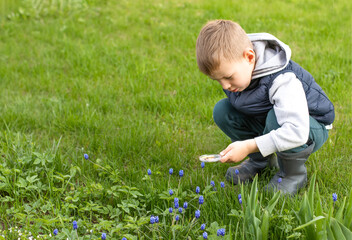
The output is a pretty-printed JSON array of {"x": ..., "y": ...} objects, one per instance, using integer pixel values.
[
  {"x": 271, "y": 122},
  {"x": 221, "y": 111}
]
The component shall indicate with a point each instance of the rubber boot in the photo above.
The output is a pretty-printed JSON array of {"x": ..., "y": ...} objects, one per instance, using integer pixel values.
[
  {"x": 246, "y": 171},
  {"x": 293, "y": 172}
]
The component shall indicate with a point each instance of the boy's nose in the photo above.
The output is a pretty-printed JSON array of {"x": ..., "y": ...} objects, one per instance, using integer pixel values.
[{"x": 226, "y": 86}]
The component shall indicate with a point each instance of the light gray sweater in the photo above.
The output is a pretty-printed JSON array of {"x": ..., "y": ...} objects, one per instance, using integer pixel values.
[{"x": 286, "y": 94}]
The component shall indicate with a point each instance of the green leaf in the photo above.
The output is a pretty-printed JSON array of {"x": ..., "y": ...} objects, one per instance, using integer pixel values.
[
  {"x": 273, "y": 201},
  {"x": 339, "y": 214},
  {"x": 311, "y": 192},
  {"x": 346, "y": 232},
  {"x": 348, "y": 214},
  {"x": 320, "y": 225},
  {"x": 309, "y": 223},
  {"x": 265, "y": 225},
  {"x": 234, "y": 213},
  {"x": 336, "y": 229},
  {"x": 253, "y": 195}
]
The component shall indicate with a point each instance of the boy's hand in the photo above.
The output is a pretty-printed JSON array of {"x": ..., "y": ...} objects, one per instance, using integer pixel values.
[{"x": 237, "y": 151}]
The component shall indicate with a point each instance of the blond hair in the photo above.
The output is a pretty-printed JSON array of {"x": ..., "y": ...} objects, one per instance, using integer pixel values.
[{"x": 220, "y": 39}]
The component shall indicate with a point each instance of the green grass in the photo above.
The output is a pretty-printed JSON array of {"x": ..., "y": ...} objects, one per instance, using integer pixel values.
[{"x": 118, "y": 80}]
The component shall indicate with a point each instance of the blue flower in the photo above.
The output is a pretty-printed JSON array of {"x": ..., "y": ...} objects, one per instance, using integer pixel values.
[
  {"x": 221, "y": 232},
  {"x": 236, "y": 171},
  {"x": 171, "y": 171},
  {"x": 180, "y": 173},
  {"x": 201, "y": 200},
  {"x": 156, "y": 219},
  {"x": 205, "y": 235},
  {"x": 180, "y": 210},
  {"x": 170, "y": 210},
  {"x": 149, "y": 172},
  {"x": 124, "y": 238},
  {"x": 171, "y": 192},
  {"x": 222, "y": 184},
  {"x": 197, "y": 214},
  {"x": 56, "y": 231},
  {"x": 202, "y": 164},
  {"x": 202, "y": 227},
  {"x": 152, "y": 220},
  {"x": 177, "y": 217},
  {"x": 185, "y": 205},
  {"x": 212, "y": 183},
  {"x": 74, "y": 225},
  {"x": 239, "y": 196},
  {"x": 86, "y": 156},
  {"x": 176, "y": 201},
  {"x": 334, "y": 197},
  {"x": 197, "y": 189},
  {"x": 240, "y": 200},
  {"x": 103, "y": 236},
  {"x": 279, "y": 180}
]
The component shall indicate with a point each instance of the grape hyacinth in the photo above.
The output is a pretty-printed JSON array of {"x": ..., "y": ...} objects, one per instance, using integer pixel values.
[
  {"x": 236, "y": 171},
  {"x": 103, "y": 236},
  {"x": 156, "y": 219},
  {"x": 180, "y": 210},
  {"x": 239, "y": 196},
  {"x": 334, "y": 197},
  {"x": 149, "y": 172},
  {"x": 240, "y": 200},
  {"x": 205, "y": 235},
  {"x": 197, "y": 189},
  {"x": 74, "y": 223},
  {"x": 221, "y": 232},
  {"x": 185, "y": 205},
  {"x": 279, "y": 180},
  {"x": 170, "y": 210},
  {"x": 197, "y": 214},
  {"x": 171, "y": 171},
  {"x": 152, "y": 220},
  {"x": 202, "y": 164},
  {"x": 222, "y": 184},
  {"x": 176, "y": 201},
  {"x": 86, "y": 156},
  {"x": 212, "y": 183},
  {"x": 202, "y": 227},
  {"x": 171, "y": 192},
  {"x": 177, "y": 217},
  {"x": 124, "y": 238},
  {"x": 180, "y": 173},
  {"x": 55, "y": 231},
  {"x": 201, "y": 200}
]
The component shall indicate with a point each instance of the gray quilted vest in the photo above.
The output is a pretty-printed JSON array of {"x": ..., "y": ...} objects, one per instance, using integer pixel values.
[{"x": 254, "y": 100}]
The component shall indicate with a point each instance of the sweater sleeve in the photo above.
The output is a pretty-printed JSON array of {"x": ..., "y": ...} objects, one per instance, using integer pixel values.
[{"x": 291, "y": 109}]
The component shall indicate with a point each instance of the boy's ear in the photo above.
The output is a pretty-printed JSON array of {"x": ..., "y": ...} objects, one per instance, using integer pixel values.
[{"x": 249, "y": 55}]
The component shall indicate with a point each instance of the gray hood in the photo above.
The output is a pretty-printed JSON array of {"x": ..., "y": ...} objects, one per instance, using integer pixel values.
[{"x": 272, "y": 55}]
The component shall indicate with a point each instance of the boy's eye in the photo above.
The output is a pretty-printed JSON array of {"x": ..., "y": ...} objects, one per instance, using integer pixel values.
[{"x": 228, "y": 77}]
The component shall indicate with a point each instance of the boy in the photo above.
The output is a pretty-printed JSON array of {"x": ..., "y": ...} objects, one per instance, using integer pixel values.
[{"x": 273, "y": 105}]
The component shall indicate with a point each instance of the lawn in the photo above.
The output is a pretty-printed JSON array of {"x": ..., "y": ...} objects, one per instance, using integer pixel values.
[{"x": 118, "y": 80}]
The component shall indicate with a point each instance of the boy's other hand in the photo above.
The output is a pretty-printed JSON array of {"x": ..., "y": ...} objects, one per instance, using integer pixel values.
[{"x": 238, "y": 150}]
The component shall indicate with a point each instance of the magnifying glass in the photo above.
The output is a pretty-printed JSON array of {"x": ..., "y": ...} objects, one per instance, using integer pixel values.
[{"x": 210, "y": 158}]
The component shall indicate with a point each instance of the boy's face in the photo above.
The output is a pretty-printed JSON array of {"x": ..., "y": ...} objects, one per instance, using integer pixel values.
[{"x": 235, "y": 76}]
